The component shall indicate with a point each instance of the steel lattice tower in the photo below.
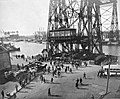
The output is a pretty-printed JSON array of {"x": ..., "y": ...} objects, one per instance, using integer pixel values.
[
  {"x": 114, "y": 24},
  {"x": 109, "y": 19},
  {"x": 74, "y": 26}
]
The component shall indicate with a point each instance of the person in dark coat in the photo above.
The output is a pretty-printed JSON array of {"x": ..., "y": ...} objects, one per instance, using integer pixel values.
[
  {"x": 81, "y": 81},
  {"x": 44, "y": 79},
  {"x": 53, "y": 73},
  {"x": 84, "y": 75},
  {"x": 2, "y": 93},
  {"x": 50, "y": 62},
  {"x": 49, "y": 92},
  {"x": 51, "y": 80},
  {"x": 77, "y": 81},
  {"x": 20, "y": 82},
  {"x": 65, "y": 70},
  {"x": 16, "y": 87},
  {"x": 76, "y": 84},
  {"x": 71, "y": 70}
]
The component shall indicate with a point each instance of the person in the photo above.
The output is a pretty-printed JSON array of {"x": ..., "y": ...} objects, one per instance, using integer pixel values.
[
  {"x": 53, "y": 73},
  {"x": 26, "y": 60},
  {"x": 51, "y": 80},
  {"x": 81, "y": 81},
  {"x": 62, "y": 65},
  {"x": 52, "y": 68},
  {"x": 65, "y": 70},
  {"x": 2, "y": 93},
  {"x": 77, "y": 81},
  {"x": 98, "y": 73},
  {"x": 71, "y": 70},
  {"x": 16, "y": 56},
  {"x": 72, "y": 64},
  {"x": 32, "y": 57},
  {"x": 48, "y": 69},
  {"x": 76, "y": 84},
  {"x": 58, "y": 73},
  {"x": 18, "y": 66},
  {"x": 50, "y": 62},
  {"x": 16, "y": 87},
  {"x": 49, "y": 93},
  {"x": 14, "y": 96},
  {"x": 41, "y": 78},
  {"x": 54, "y": 62},
  {"x": 20, "y": 82},
  {"x": 85, "y": 63},
  {"x": 44, "y": 79},
  {"x": 84, "y": 75}
]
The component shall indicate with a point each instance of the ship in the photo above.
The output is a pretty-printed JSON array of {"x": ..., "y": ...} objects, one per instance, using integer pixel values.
[{"x": 11, "y": 48}]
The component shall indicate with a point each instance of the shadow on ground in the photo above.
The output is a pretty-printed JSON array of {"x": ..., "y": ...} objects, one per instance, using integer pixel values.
[
  {"x": 23, "y": 91},
  {"x": 82, "y": 88},
  {"x": 63, "y": 76},
  {"x": 52, "y": 83},
  {"x": 29, "y": 87},
  {"x": 55, "y": 95},
  {"x": 89, "y": 78},
  {"x": 85, "y": 84}
]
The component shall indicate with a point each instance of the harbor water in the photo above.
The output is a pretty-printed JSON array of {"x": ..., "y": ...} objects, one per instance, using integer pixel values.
[{"x": 29, "y": 49}]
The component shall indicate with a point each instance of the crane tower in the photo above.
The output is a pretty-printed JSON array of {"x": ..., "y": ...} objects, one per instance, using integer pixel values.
[{"x": 75, "y": 28}]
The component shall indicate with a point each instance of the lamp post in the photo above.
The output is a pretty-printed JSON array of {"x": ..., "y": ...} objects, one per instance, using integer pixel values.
[{"x": 108, "y": 74}]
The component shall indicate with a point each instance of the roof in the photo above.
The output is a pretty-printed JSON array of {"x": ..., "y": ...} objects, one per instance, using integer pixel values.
[{"x": 3, "y": 49}]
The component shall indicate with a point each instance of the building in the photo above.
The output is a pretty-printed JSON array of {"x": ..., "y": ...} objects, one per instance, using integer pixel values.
[
  {"x": 14, "y": 36},
  {"x": 5, "y": 62},
  {"x": 11, "y": 35},
  {"x": 40, "y": 35}
]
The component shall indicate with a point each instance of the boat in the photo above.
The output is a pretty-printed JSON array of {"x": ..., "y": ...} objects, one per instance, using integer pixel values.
[
  {"x": 14, "y": 49},
  {"x": 11, "y": 47}
]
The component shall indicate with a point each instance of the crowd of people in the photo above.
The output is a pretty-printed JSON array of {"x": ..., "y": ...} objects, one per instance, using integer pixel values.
[
  {"x": 23, "y": 74},
  {"x": 29, "y": 72},
  {"x": 57, "y": 66}
]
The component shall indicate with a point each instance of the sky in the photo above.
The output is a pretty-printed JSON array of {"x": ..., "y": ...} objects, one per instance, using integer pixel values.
[{"x": 26, "y": 16}]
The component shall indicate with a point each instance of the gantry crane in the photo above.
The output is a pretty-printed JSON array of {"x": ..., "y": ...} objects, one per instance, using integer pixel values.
[{"x": 75, "y": 28}]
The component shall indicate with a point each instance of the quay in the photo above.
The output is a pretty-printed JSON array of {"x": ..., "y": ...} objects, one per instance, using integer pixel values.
[
  {"x": 22, "y": 73},
  {"x": 63, "y": 86},
  {"x": 76, "y": 57}
]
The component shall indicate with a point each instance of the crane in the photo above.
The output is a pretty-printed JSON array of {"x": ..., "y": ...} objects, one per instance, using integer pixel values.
[{"x": 75, "y": 27}]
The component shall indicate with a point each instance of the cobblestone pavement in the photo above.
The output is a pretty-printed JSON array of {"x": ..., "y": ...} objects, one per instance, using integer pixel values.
[{"x": 64, "y": 86}]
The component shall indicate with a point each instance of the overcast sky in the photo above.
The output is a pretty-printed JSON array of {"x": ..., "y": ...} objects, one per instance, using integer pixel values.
[{"x": 26, "y": 16}]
